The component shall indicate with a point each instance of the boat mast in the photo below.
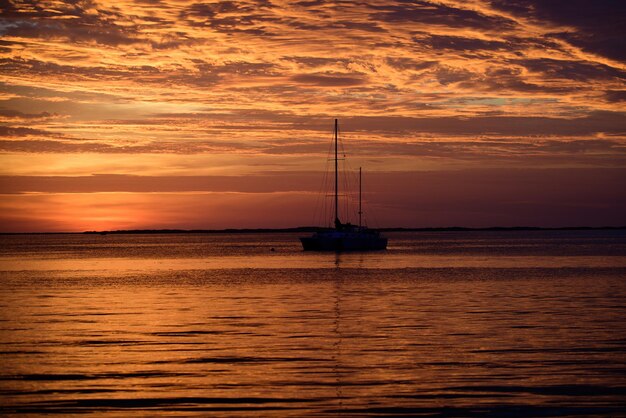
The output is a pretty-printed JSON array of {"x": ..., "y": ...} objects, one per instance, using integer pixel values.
[
  {"x": 337, "y": 222},
  {"x": 360, "y": 211}
]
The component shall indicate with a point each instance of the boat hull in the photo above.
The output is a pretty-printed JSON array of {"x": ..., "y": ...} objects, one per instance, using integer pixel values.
[{"x": 321, "y": 243}]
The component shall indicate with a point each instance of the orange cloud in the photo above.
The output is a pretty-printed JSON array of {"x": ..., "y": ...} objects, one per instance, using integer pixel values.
[{"x": 243, "y": 87}]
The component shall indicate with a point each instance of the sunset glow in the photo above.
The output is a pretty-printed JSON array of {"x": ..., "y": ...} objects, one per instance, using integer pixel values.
[{"x": 174, "y": 114}]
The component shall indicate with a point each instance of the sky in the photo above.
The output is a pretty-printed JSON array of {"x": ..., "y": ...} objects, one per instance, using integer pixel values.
[{"x": 149, "y": 114}]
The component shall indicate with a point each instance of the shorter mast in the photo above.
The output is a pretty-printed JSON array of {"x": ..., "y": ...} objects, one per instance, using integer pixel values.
[
  {"x": 337, "y": 222},
  {"x": 360, "y": 211}
]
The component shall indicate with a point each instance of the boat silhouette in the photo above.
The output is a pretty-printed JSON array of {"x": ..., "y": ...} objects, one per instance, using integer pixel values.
[{"x": 344, "y": 237}]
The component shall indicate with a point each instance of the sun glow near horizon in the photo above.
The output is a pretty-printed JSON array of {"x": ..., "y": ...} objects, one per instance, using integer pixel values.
[{"x": 107, "y": 110}]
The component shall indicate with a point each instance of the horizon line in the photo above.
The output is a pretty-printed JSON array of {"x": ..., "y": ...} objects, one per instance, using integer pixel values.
[{"x": 316, "y": 228}]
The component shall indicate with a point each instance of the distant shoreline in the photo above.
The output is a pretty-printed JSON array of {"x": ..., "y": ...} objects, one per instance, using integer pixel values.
[{"x": 315, "y": 229}]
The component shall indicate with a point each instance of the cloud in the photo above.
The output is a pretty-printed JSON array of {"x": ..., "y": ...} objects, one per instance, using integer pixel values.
[
  {"x": 80, "y": 212},
  {"x": 479, "y": 198},
  {"x": 615, "y": 96},
  {"x": 229, "y": 17},
  {"x": 472, "y": 153},
  {"x": 261, "y": 183},
  {"x": 406, "y": 63},
  {"x": 438, "y": 14},
  {"x": 202, "y": 75},
  {"x": 11, "y": 114},
  {"x": 512, "y": 79},
  {"x": 39, "y": 68},
  {"x": 608, "y": 122},
  {"x": 597, "y": 25},
  {"x": 572, "y": 70},
  {"x": 87, "y": 24},
  {"x": 459, "y": 43},
  {"x": 313, "y": 62},
  {"x": 449, "y": 75},
  {"x": 522, "y": 126},
  {"x": 239, "y": 86},
  {"x": 556, "y": 197},
  {"x": 21, "y": 131},
  {"x": 80, "y": 147},
  {"x": 330, "y": 79}
]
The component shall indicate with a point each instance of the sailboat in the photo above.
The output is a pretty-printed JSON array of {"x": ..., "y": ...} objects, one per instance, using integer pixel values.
[{"x": 344, "y": 237}]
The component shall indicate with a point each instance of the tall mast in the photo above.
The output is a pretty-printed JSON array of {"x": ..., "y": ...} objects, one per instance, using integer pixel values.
[
  {"x": 337, "y": 223},
  {"x": 360, "y": 211}
]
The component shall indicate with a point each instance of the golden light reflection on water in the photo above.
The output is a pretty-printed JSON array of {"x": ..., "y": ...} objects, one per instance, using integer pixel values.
[
  {"x": 140, "y": 336},
  {"x": 323, "y": 346},
  {"x": 297, "y": 261}
]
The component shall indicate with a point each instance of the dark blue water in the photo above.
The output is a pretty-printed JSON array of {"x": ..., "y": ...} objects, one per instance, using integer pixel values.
[{"x": 441, "y": 324}]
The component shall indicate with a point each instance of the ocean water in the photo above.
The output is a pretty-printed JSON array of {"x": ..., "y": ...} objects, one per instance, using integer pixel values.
[{"x": 441, "y": 324}]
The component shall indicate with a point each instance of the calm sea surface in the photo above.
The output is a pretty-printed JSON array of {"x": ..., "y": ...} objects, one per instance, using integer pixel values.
[{"x": 441, "y": 324}]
